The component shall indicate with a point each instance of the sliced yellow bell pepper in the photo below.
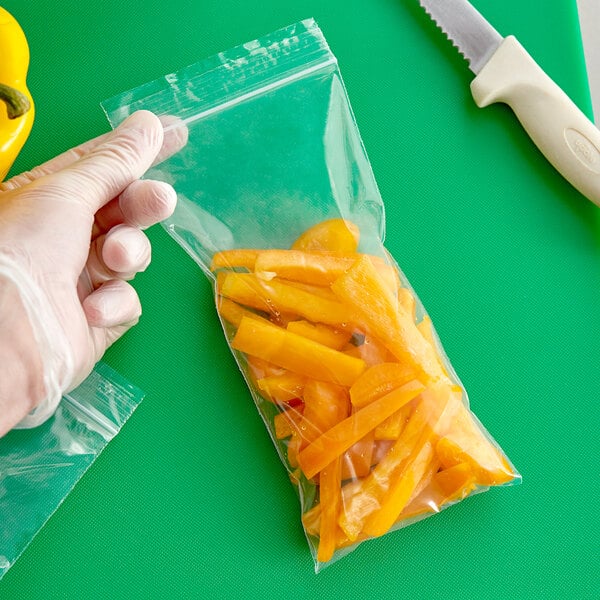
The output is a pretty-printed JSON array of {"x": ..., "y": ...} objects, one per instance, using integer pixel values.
[
  {"x": 335, "y": 234},
  {"x": 335, "y": 338},
  {"x": 369, "y": 413},
  {"x": 363, "y": 290},
  {"x": 349, "y": 431},
  {"x": 234, "y": 259},
  {"x": 276, "y": 297},
  {"x": 379, "y": 380},
  {"x": 283, "y": 387},
  {"x": 296, "y": 353}
]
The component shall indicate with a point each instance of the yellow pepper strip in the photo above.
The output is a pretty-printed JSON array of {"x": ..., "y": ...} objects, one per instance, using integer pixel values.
[
  {"x": 293, "y": 447},
  {"x": 334, "y": 234},
  {"x": 232, "y": 312},
  {"x": 325, "y": 405},
  {"x": 276, "y": 297},
  {"x": 464, "y": 442},
  {"x": 282, "y": 388},
  {"x": 296, "y": 353},
  {"x": 454, "y": 483},
  {"x": 400, "y": 492},
  {"x": 407, "y": 302},
  {"x": 447, "y": 486},
  {"x": 389, "y": 276},
  {"x": 234, "y": 259},
  {"x": 305, "y": 267},
  {"x": 311, "y": 520},
  {"x": 362, "y": 289},
  {"x": 426, "y": 480},
  {"x": 316, "y": 290},
  {"x": 330, "y": 484},
  {"x": 319, "y": 268},
  {"x": 404, "y": 481},
  {"x": 286, "y": 423},
  {"x": 260, "y": 368},
  {"x": 324, "y": 334},
  {"x": 392, "y": 427},
  {"x": 379, "y": 380},
  {"x": 342, "y": 436},
  {"x": 16, "y": 119},
  {"x": 385, "y": 492},
  {"x": 357, "y": 460}
]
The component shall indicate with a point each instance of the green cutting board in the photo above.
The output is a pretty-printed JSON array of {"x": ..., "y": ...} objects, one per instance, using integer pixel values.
[{"x": 190, "y": 500}]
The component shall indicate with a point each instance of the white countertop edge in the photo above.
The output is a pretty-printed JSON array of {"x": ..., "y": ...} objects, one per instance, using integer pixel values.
[{"x": 589, "y": 19}]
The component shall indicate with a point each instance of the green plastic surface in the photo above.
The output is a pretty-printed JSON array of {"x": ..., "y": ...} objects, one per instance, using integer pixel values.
[{"x": 190, "y": 499}]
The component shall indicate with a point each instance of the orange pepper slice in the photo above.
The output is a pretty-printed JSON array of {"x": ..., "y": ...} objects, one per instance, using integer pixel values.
[
  {"x": 333, "y": 234},
  {"x": 362, "y": 289},
  {"x": 233, "y": 259},
  {"x": 296, "y": 353},
  {"x": 277, "y": 297},
  {"x": 304, "y": 267},
  {"x": 446, "y": 486},
  {"x": 282, "y": 388},
  {"x": 335, "y": 338},
  {"x": 379, "y": 380},
  {"x": 325, "y": 405},
  {"x": 330, "y": 499},
  {"x": 286, "y": 423},
  {"x": 342, "y": 436},
  {"x": 357, "y": 460},
  {"x": 377, "y": 501},
  {"x": 464, "y": 442},
  {"x": 232, "y": 312},
  {"x": 392, "y": 427}
]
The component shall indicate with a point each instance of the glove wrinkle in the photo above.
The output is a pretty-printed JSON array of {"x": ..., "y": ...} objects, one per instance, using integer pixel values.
[{"x": 55, "y": 350}]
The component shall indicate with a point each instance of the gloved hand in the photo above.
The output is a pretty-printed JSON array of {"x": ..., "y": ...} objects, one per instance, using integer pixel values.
[{"x": 70, "y": 239}]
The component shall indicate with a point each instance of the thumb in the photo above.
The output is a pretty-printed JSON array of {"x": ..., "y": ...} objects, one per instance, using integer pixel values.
[{"x": 122, "y": 157}]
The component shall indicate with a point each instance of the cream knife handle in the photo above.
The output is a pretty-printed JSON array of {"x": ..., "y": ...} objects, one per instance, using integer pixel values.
[{"x": 567, "y": 138}]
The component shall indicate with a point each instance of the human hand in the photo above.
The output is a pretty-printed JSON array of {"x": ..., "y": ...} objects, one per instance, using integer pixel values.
[{"x": 70, "y": 239}]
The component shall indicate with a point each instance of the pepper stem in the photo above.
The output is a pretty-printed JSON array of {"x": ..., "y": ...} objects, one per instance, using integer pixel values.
[{"x": 17, "y": 103}]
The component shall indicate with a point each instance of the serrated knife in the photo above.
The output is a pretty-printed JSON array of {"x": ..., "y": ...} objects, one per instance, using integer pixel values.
[{"x": 505, "y": 72}]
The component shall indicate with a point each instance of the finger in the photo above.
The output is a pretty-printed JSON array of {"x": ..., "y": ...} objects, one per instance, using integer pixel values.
[
  {"x": 114, "y": 304},
  {"x": 146, "y": 202},
  {"x": 126, "y": 250},
  {"x": 97, "y": 272},
  {"x": 109, "y": 216},
  {"x": 103, "y": 173},
  {"x": 55, "y": 164},
  {"x": 142, "y": 204},
  {"x": 175, "y": 137}
]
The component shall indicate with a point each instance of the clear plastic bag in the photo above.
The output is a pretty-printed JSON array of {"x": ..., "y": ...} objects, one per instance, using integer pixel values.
[
  {"x": 39, "y": 467},
  {"x": 280, "y": 208}
]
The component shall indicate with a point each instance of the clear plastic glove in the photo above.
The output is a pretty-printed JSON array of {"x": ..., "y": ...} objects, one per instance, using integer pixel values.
[{"x": 70, "y": 239}]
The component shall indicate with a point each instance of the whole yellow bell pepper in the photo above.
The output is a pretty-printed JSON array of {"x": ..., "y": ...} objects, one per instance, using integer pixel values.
[{"x": 16, "y": 104}]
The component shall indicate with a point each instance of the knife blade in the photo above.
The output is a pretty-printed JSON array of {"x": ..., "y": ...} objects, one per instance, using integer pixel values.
[{"x": 505, "y": 72}]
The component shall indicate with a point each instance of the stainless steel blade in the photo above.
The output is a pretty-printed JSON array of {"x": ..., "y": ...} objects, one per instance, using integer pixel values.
[{"x": 466, "y": 28}]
